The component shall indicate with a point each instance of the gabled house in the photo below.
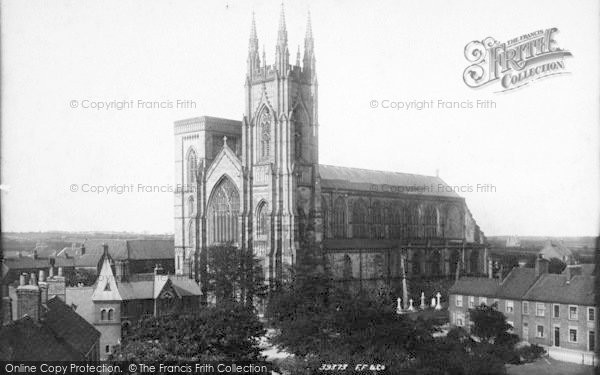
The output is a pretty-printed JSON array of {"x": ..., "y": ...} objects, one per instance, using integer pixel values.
[{"x": 118, "y": 299}]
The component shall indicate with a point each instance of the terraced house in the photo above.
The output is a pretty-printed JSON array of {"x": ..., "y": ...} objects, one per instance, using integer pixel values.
[{"x": 557, "y": 311}]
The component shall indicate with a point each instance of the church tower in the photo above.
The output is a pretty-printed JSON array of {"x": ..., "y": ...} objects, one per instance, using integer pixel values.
[{"x": 280, "y": 153}]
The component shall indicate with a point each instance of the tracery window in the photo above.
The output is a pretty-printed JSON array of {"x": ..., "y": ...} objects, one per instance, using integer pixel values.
[
  {"x": 414, "y": 221},
  {"x": 339, "y": 218},
  {"x": 360, "y": 228},
  {"x": 377, "y": 220},
  {"x": 265, "y": 134},
  {"x": 192, "y": 167},
  {"x": 453, "y": 227},
  {"x": 223, "y": 212},
  {"x": 262, "y": 219},
  {"x": 431, "y": 222}
]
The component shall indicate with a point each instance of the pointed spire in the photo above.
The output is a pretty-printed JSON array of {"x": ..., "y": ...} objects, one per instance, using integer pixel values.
[
  {"x": 309, "y": 43},
  {"x": 309, "y": 48},
  {"x": 282, "y": 33},
  {"x": 264, "y": 56},
  {"x": 298, "y": 56},
  {"x": 253, "y": 44},
  {"x": 308, "y": 27}
]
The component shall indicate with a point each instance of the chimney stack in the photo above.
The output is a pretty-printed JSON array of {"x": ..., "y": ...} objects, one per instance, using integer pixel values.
[
  {"x": 541, "y": 265},
  {"x": 572, "y": 271},
  {"x": 28, "y": 298},
  {"x": 6, "y": 306},
  {"x": 57, "y": 285},
  {"x": 43, "y": 287}
]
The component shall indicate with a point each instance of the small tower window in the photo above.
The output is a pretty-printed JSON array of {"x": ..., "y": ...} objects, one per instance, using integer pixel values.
[
  {"x": 265, "y": 134},
  {"x": 192, "y": 166},
  {"x": 103, "y": 314},
  {"x": 111, "y": 314}
]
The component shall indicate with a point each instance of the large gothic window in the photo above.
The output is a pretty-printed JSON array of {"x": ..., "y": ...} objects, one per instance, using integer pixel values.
[
  {"x": 453, "y": 227},
  {"x": 413, "y": 221},
  {"x": 377, "y": 220},
  {"x": 434, "y": 261},
  {"x": 360, "y": 228},
  {"x": 396, "y": 222},
  {"x": 339, "y": 218},
  {"x": 262, "y": 220},
  {"x": 192, "y": 166},
  {"x": 222, "y": 214},
  {"x": 431, "y": 222},
  {"x": 265, "y": 135}
]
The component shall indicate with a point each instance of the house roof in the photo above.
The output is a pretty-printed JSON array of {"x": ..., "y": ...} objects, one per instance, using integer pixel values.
[
  {"x": 516, "y": 284},
  {"x": 62, "y": 335},
  {"x": 553, "y": 249},
  {"x": 26, "y": 263},
  {"x": 475, "y": 286},
  {"x": 185, "y": 286},
  {"x": 70, "y": 326},
  {"x": 26, "y": 340},
  {"x": 555, "y": 288},
  {"x": 333, "y": 177},
  {"x": 125, "y": 249}
]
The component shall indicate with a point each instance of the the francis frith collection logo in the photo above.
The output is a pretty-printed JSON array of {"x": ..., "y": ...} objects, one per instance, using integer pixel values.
[{"x": 514, "y": 63}]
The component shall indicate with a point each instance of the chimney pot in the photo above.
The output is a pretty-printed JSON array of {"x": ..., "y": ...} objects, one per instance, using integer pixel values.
[
  {"x": 51, "y": 272},
  {"x": 22, "y": 279},
  {"x": 60, "y": 271},
  {"x": 42, "y": 276},
  {"x": 32, "y": 279}
]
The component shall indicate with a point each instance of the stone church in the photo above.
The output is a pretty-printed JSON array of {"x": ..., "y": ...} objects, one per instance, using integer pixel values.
[{"x": 257, "y": 183}]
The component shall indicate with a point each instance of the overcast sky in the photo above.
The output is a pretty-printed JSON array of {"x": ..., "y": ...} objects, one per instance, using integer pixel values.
[{"x": 538, "y": 147}]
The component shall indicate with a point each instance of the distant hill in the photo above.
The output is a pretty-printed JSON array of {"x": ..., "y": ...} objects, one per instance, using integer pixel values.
[
  {"x": 47, "y": 242},
  {"x": 574, "y": 243}
]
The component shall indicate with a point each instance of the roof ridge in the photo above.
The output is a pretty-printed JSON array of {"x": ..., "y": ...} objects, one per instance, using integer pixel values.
[{"x": 379, "y": 170}]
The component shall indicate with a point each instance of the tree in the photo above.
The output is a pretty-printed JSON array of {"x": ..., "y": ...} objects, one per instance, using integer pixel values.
[
  {"x": 320, "y": 323},
  {"x": 226, "y": 332},
  {"x": 488, "y": 322},
  {"x": 234, "y": 275}
]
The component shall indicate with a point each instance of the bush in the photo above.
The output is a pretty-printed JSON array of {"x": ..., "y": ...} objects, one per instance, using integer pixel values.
[{"x": 531, "y": 353}]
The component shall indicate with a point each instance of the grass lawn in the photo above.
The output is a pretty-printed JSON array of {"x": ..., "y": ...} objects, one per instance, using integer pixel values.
[{"x": 549, "y": 366}]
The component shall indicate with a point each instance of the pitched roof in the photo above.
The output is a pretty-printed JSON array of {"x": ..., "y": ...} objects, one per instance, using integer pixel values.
[
  {"x": 125, "y": 249},
  {"x": 475, "y": 286},
  {"x": 151, "y": 249},
  {"x": 333, "y": 177},
  {"x": 70, "y": 326},
  {"x": 516, "y": 284},
  {"x": 185, "y": 286},
  {"x": 555, "y": 288},
  {"x": 554, "y": 249},
  {"x": 26, "y": 340}
]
